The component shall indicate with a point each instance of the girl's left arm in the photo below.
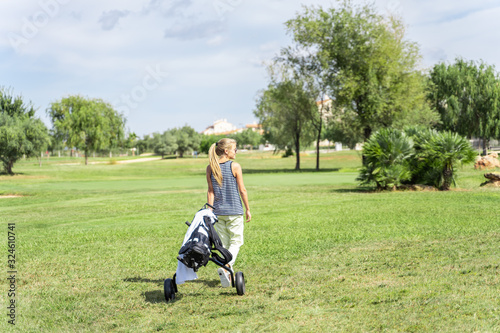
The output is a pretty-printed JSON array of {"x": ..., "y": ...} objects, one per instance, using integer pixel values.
[{"x": 243, "y": 191}]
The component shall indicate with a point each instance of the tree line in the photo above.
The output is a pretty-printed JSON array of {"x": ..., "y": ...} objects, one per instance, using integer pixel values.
[
  {"x": 89, "y": 125},
  {"x": 371, "y": 73},
  {"x": 186, "y": 139},
  {"x": 358, "y": 58}
]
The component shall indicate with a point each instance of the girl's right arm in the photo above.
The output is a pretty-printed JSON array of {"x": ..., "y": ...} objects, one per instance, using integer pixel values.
[{"x": 210, "y": 192}]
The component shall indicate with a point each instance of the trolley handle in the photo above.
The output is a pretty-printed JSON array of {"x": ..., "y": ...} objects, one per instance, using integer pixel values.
[
  {"x": 204, "y": 207},
  {"x": 209, "y": 205}
]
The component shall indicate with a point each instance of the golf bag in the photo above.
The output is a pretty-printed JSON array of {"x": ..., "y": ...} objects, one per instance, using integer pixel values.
[
  {"x": 199, "y": 246},
  {"x": 201, "y": 241}
]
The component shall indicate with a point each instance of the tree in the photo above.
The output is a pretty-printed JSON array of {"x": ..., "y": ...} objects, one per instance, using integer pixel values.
[
  {"x": 20, "y": 132},
  {"x": 165, "y": 143},
  {"x": 145, "y": 144},
  {"x": 187, "y": 139},
  {"x": 445, "y": 151},
  {"x": 306, "y": 65},
  {"x": 388, "y": 154},
  {"x": 284, "y": 109},
  {"x": 131, "y": 141},
  {"x": 370, "y": 68},
  {"x": 207, "y": 141},
  {"x": 248, "y": 137},
  {"x": 467, "y": 96},
  {"x": 343, "y": 129},
  {"x": 87, "y": 124}
]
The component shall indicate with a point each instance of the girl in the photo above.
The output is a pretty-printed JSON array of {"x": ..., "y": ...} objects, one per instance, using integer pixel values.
[{"x": 225, "y": 186}]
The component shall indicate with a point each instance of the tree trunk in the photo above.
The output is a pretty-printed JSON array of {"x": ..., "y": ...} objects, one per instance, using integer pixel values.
[
  {"x": 447, "y": 178},
  {"x": 485, "y": 147},
  {"x": 86, "y": 157},
  {"x": 317, "y": 145},
  {"x": 297, "y": 154},
  {"x": 9, "y": 166}
]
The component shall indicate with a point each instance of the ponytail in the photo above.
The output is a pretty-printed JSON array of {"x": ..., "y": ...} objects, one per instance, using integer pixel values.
[
  {"x": 214, "y": 154},
  {"x": 214, "y": 163}
]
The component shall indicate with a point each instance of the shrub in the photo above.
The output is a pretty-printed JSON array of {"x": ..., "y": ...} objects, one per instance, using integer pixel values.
[
  {"x": 415, "y": 156},
  {"x": 387, "y": 159},
  {"x": 443, "y": 152}
]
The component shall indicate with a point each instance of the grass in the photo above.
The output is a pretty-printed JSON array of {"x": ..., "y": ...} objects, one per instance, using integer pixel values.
[{"x": 94, "y": 244}]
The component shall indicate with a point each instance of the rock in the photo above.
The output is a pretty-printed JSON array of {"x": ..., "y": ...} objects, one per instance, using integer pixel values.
[
  {"x": 487, "y": 162},
  {"x": 493, "y": 179},
  {"x": 492, "y": 176}
]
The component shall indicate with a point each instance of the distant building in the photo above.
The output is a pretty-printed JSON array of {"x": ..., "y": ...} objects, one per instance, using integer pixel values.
[
  {"x": 325, "y": 108},
  {"x": 221, "y": 126}
]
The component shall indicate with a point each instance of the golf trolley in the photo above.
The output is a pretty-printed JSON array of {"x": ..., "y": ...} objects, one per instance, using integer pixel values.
[{"x": 199, "y": 246}]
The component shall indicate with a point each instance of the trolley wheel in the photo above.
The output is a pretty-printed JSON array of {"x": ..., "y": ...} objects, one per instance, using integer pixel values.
[
  {"x": 239, "y": 280},
  {"x": 169, "y": 290}
]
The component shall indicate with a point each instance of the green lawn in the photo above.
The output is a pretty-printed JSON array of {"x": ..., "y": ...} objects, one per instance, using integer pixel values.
[{"x": 94, "y": 244}]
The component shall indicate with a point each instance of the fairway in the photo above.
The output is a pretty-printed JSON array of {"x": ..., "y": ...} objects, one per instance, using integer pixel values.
[{"x": 94, "y": 244}]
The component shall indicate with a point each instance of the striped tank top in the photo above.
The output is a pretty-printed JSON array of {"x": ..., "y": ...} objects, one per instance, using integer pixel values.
[{"x": 227, "y": 198}]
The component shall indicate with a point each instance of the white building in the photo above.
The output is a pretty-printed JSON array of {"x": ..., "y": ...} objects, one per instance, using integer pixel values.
[{"x": 221, "y": 126}]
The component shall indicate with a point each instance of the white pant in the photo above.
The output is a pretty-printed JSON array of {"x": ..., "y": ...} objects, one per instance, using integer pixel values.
[{"x": 230, "y": 230}]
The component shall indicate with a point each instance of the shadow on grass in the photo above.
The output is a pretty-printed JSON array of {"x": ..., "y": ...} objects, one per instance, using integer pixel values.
[
  {"x": 158, "y": 296},
  {"x": 209, "y": 283},
  {"x": 360, "y": 189},
  {"x": 3, "y": 173},
  {"x": 256, "y": 171},
  {"x": 142, "y": 280}
]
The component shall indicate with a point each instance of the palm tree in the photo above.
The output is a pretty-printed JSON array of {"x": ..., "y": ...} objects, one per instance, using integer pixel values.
[
  {"x": 446, "y": 151},
  {"x": 387, "y": 156}
]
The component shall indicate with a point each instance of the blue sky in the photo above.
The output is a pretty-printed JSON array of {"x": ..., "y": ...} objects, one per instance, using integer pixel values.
[{"x": 164, "y": 64}]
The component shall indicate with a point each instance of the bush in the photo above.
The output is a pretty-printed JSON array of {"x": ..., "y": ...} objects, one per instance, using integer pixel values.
[
  {"x": 416, "y": 156},
  {"x": 288, "y": 152},
  {"x": 386, "y": 159},
  {"x": 442, "y": 153}
]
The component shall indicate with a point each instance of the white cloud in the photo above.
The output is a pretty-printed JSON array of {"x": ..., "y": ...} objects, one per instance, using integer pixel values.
[
  {"x": 109, "y": 19},
  {"x": 212, "y": 49},
  {"x": 217, "y": 40}
]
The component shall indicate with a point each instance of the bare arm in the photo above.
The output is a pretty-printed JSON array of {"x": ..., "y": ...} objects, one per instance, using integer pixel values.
[
  {"x": 243, "y": 191},
  {"x": 210, "y": 192}
]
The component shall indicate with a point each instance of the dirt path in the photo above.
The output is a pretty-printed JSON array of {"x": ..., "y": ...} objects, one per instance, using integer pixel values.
[
  {"x": 140, "y": 160},
  {"x": 117, "y": 161},
  {"x": 10, "y": 196}
]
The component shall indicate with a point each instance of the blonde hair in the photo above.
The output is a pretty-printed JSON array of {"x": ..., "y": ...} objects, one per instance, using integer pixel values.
[{"x": 215, "y": 152}]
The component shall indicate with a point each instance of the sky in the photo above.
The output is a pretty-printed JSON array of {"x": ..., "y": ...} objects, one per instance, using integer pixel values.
[{"x": 170, "y": 63}]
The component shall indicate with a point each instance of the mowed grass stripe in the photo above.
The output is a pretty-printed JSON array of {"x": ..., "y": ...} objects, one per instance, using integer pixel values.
[{"x": 320, "y": 254}]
